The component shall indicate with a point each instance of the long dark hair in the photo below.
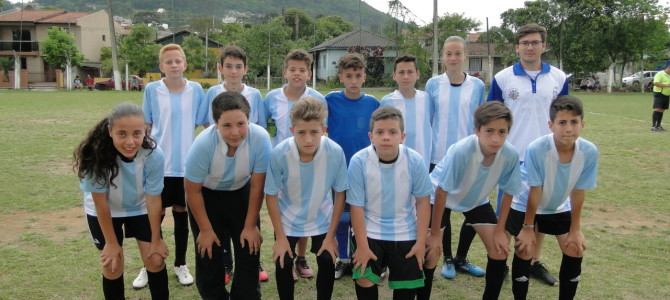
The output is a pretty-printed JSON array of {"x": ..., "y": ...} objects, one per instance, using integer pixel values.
[{"x": 95, "y": 156}]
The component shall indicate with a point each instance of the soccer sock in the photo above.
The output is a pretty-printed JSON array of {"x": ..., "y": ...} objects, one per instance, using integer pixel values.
[
  {"x": 158, "y": 284},
  {"x": 571, "y": 269},
  {"x": 446, "y": 236},
  {"x": 520, "y": 276},
  {"x": 404, "y": 294},
  {"x": 369, "y": 293},
  {"x": 495, "y": 275},
  {"x": 464, "y": 241},
  {"x": 654, "y": 118},
  {"x": 660, "y": 118},
  {"x": 113, "y": 288},
  {"x": 424, "y": 292},
  {"x": 284, "y": 277},
  {"x": 325, "y": 277},
  {"x": 180, "y": 237}
]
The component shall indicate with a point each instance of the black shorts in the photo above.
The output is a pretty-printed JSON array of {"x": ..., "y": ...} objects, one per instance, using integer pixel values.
[
  {"x": 661, "y": 101},
  {"x": 173, "y": 192},
  {"x": 135, "y": 226},
  {"x": 404, "y": 273},
  {"x": 482, "y": 214},
  {"x": 552, "y": 224},
  {"x": 317, "y": 241}
]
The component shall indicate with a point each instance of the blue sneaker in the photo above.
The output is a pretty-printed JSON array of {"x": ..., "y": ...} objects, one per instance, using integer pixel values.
[
  {"x": 448, "y": 269},
  {"x": 466, "y": 267}
]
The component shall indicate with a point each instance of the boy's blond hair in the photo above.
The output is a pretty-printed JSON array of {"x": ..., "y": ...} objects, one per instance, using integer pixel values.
[
  {"x": 170, "y": 47},
  {"x": 299, "y": 55},
  {"x": 308, "y": 109},
  {"x": 354, "y": 61}
]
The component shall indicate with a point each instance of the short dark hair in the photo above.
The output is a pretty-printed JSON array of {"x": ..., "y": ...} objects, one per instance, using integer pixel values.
[
  {"x": 530, "y": 29},
  {"x": 404, "y": 58},
  {"x": 491, "y": 111},
  {"x": 384, "y": 113},
  {"x": 300, "y": 55},
  {"x": 232, "y": 51},
  {"x": 566, "y": 103},
  {"x": 354, "y": 61},
  {"x": 229, "y": 101}
]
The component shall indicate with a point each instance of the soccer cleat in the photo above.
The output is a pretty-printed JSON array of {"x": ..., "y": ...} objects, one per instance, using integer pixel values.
[
  {"x": 539, "y": 271},
  {"x": 466, "y": 267},
  {"x": 142, "y": 279},
  {"x": 340, "y": 269},
  {"x": 654, "y": 129},
  {"x": 660, "y": 128},
  {"x": 302, "y": 268},
  {"x": 262, "y": 275},
  {"x": 228, "y": 276},
  {"x": 448, "y": 269},
  {"x": 183, "y": 275}
]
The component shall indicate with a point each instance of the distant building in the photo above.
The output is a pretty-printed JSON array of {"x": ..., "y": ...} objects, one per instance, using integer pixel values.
[
  {"x": 327, "y": 54},
  {"x": 179, "y": 36}
]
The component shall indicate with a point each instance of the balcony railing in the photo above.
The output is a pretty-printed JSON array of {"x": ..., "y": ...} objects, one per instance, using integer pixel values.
[{"x": 19, "y": 46}]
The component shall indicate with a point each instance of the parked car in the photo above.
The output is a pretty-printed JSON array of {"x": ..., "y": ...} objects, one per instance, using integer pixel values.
[
  {"x": 136, "y": 83},
  {"x": 634, "y": 80}
]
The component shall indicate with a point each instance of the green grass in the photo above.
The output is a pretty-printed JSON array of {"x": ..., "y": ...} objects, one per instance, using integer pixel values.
[{"x": 625, "y": 220}]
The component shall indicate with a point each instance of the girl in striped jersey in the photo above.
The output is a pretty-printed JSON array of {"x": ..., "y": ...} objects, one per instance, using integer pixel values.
[
  {"x": 454, "y": 97},
  {"x": 224, "y": 177},
  {"x": 304, "y": 172},
  {"x": 121, "y": 174}
]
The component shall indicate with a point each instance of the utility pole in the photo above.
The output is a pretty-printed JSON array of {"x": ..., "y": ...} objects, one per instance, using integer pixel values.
[
  {"x": 435, "y": 45},
  {"x": 488, "y": 51},
  {"x": 112, "y": 39}
]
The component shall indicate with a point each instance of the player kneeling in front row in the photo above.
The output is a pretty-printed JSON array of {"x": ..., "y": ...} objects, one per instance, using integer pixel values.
[
  {"x": 557, "y": 170},
  {"x": 304, "y": 171},
  {"x": 464, "y": 178},
  {"x": 389, "y": 197}
]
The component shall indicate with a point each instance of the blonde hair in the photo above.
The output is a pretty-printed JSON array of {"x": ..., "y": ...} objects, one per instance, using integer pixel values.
[
  {"x": 308, "y": 109},
  {"x": 170, "y": 47}
]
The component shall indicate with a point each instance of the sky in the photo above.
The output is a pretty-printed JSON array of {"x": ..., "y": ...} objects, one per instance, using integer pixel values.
[{"x": 474, "y": 9}]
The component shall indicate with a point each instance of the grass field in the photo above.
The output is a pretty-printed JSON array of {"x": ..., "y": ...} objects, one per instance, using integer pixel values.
[{"x": 45, "y": 251}]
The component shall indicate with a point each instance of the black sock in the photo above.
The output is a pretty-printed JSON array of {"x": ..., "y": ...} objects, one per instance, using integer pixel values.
[
  {"x": 446, "y": 236},
  {"x": 520, "y": 277},
  {"x": 495, "y": 275},
  {"x": 113, "y": 288},
  {"x": 369, "y": 293},
  {"x": 571, "y": 269},
  {"x": 284, "y": 278},
  {"x": 465, "y": 240},
  {"x": 654, "y": 118},
  {"x": 158, "y": 284},
  {"x": 180, "y": 237},
  {"x": 325, "y": 277},
  {"x": 404, "y": 294},
  {"x": 424, "y": 292},
  {"x": 660, "y": 118}
]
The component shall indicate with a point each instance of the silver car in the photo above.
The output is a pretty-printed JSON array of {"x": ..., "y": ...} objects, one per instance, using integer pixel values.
[{"x": 634, "y": 80}]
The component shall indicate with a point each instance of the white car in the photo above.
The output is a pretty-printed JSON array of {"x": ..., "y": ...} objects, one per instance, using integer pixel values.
[{"x": 634, "y": 80}]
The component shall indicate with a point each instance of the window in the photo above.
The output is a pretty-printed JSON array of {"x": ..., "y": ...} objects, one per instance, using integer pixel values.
[
  {"x": 103, "y": 37},
  {"x": 475, "y": 64}
]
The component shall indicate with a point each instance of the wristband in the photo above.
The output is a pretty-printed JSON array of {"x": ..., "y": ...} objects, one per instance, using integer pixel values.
[{"x": 528, "y": 225}]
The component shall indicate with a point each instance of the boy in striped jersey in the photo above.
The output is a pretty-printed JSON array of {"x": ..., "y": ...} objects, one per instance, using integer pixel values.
[
  {"x": 304, "y": 171},
  {"x": 557, "y": 170},
  {"x": 389, "y": 197},
  {"x": 454, "y": 97},
  {"x": 278, "y": 104},
  {"x": 464, "y": 178},
  {"x": 224, "y": 178},
  {"x": 173, "y": 108},
  {"x": 413, "y": 104}
]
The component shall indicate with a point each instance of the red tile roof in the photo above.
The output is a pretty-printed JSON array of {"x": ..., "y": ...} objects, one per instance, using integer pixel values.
[{"x": 55, "y": 16}]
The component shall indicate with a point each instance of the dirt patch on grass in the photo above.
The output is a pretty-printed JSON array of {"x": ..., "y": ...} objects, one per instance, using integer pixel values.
[
  {"x": 625, "y": 221},
  {"x": 57, "y": 226}
]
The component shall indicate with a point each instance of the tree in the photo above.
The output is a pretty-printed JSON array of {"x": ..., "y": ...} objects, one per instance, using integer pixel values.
[
  {"x": 301, "y": 23},
  {"x": 6, "y": 63},
  {"x": 59, "y": 48},
  {"x": 139, "y": 50},
  {"x": 194, "y": 49},
  {"x": 255, "y": 43},
  {"x": 328, "y": 27},
  {"x": 453, "y": 24}
]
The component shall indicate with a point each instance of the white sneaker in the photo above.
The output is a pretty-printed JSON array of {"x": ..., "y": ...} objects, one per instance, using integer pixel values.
[
  {"x": 183, "y": 275},
  {"x": 141, "y": 280}
]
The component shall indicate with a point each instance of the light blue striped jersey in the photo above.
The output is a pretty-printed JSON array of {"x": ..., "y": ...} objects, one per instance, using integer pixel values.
[
  {"x": 207, "y": 162},
  {"x": 253, "y": 96},
  {"x": 140, "y": 177},
  {"x": 278, "y": 108},
  {"x": 543, "y": 168},
  {"x": 417, "y": 114},
  {"x": 529, "y": 98},
  {"x": 387, "y": 192},
  {"x": 468, "y": 183},
  {"x": 305, "y": 189},
  {"x": 453, "y": 111},
  {"x": 173, "y": 118}
]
